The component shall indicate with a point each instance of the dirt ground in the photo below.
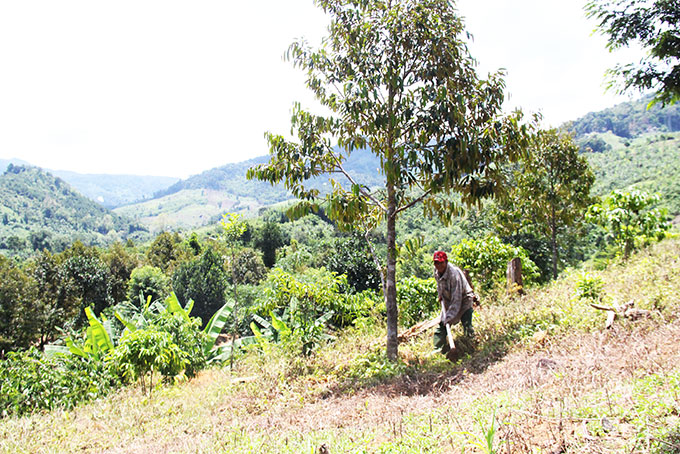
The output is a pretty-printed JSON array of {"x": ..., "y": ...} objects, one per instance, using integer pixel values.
[{"x": 556, "y": 373}]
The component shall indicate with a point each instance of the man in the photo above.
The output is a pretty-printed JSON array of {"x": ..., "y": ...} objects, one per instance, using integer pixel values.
[{"x": 457, "y": 296}]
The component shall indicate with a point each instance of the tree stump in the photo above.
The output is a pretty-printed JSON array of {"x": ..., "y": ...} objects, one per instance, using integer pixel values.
[{"x": 514, "y": 277}]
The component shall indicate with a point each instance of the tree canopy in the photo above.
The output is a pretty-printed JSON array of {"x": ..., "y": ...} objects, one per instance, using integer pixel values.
[{"x": 654, "y": 25}]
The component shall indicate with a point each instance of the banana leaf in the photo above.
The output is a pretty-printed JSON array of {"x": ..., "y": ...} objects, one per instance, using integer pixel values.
[
  {"x": 174, "y": 307},
  {"x": 55, "y": 350},
  {"x": 101, "y": 341},
  {"x": 223, "y": 352},
  {"x": 130, "y": 326},
  {"x": 216, "y": 324},
  {"x": 279, "y": 325}
]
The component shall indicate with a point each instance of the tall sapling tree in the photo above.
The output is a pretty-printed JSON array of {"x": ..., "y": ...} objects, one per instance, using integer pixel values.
[{"x": 396, "y": 77}]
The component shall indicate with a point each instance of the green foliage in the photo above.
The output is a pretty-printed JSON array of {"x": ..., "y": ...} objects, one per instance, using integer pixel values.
[
  {"x": 167, "y": 252},
  {"x": 351, "y": 257},
  {"x": 31, "y": 382},
  {"x": 396, "y": 78},
  {"x": 147, "y": 281},
  {"x": 374, "y": 367},
  {"x": 549, "y": 192},
  {"x": 194, "y": 345},
  {"x": 86, "y": 281},
  {"x": 484, "y": 443},
  {"x": 19, "y": 308},
  {"x": 121, "y": 261},
  {"x": 268, "y": 239},
  {"x": 589, "y": 287},
  {"x": 414, "y": 259},
  {"x": 417, "y": 299},
  {"x": 487, "y": 259},
  {"x": 48, "y": 213},
  {"x": 650, "y": 163},
  {"x": 248, "y": 267},
  {"x": 630, "y": 220},
  {"x": 626, "y": 120},
  {"x": 147, "y": 351},
  {"x": 653, "y": 26},
  {"x": 313, "y": 294},
  {"x": 204, "y": 281}
]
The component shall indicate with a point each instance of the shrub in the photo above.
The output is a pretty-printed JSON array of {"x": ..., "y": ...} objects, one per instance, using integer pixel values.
[
  {"x": 316, "y": 291},
  {"x": 187, "y": 335},
  {"x": 486, "y": 260},
  {"x": 148, "y": 281},
  {"x": 416, "y": 299},
  {"x": 147, "y": 351},
  {"x": 30, "y": 381},
  {"x": 203, "y": 280}
]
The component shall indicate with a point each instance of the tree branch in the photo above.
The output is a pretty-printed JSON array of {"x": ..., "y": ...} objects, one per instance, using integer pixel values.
[
  {"x": 362, "y": 189},
  {"x": 413, "y": 202}
]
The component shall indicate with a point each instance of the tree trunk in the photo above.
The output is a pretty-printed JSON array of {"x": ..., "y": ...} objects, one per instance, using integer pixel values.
[
  {"x": 553, "y": 240},
  {"x": 390, "y": 278},
  {"x": 515, "y": 283}
]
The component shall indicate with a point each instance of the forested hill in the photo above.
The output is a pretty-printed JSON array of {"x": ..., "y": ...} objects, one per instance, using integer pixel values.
[
  {"x": 115, "y": 190},
  {"x": 632, "y": 147},
  {"x": 39, "y": 210},
  {"x": 628, "y": 120}
]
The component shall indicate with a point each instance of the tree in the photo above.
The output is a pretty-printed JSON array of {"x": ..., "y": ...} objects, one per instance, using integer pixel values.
[
  {"x": 629, "y": 219},
  {"x": 396, "y": 78},
  {"x": 166, "y": 252},
  {"x": 654, "y": 25},
  {"x": 268, "y": 239},
  {"x": 351, "y": 256},
  {"x": 203, "y": 280},
  {"x": 550, "y": 191},
  {"x": 18, "y": 325},
  {"x": 148, "y": 281}
]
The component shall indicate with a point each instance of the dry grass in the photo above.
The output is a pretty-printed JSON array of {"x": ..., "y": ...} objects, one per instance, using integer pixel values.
[{"x": 557, "y": 381}]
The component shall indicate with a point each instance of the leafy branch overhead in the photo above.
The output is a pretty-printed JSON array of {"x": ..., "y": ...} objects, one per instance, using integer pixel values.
[{"x": 397, "y": 78}]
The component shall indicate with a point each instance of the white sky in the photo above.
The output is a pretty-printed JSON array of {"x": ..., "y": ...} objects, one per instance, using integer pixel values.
[{"x": 169, "y": 87}]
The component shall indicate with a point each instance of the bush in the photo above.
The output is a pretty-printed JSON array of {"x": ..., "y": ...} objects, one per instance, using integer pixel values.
[
  {"x": 187, "y": 335},
  {"x": 486, "y": 260},
  {"x": 317, "y": 291},
  {"x": 147, "y": 351},
  {"x": 203, "y": 280},
  {"x": 416, "y": 299},
  {"x": 30, "y": 381},
  {"x": 148, "y": 281}
]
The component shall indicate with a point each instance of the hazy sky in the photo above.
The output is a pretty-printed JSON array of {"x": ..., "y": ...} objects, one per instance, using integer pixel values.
[{"x": 167, "y": 87}]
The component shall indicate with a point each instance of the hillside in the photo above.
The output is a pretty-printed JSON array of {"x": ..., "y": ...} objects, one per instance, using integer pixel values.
[
  {"x": 115, "y": 190},
  {"x": 628, "y": 120},
  {"x": 39, "y": 210},
  {"x": 545, "y": 377},
  {"x": 108, "y": 190},
  {"x": 203, "y": 198}
]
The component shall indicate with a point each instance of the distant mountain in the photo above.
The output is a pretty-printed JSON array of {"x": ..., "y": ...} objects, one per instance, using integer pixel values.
[
  {"x": 109, "y": 190},
  {"x": 39, "y": 210},
  {"x": 203, "y": 198},
  {"x": 115, "y": 190},
  {"x": 17, "y": 162},
  {"x": 629, "y": 120}
]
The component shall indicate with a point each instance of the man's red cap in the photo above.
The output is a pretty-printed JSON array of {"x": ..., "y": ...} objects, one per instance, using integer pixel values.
[{"x": 440, "y": 256}]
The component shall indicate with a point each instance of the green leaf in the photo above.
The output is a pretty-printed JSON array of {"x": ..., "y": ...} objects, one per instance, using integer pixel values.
[
  {"x": 216, "y": 324},
  {"x": 174, "y": 307},
  {"x": 100, "y": 337}
]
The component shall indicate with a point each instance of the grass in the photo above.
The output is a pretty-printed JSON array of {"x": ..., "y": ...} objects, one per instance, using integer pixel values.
[{"x": 545, "y": 377}]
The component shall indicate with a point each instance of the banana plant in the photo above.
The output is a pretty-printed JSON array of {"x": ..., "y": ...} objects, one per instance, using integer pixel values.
[
  {"x": 311, "y": 333},
  {"x": 97, "y": 341}
]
